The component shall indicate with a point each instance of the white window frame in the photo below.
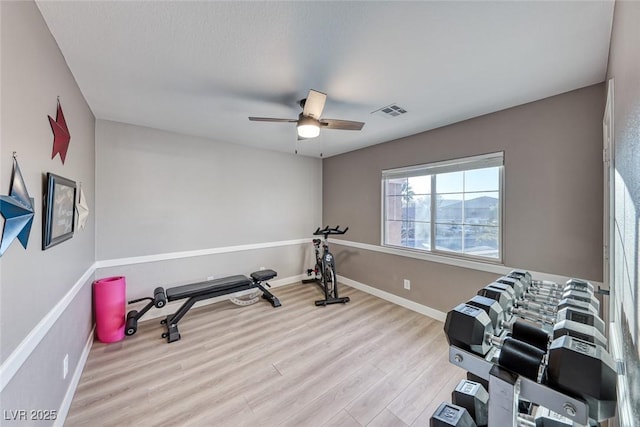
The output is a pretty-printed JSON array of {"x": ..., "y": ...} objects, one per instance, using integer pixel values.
[{"x": 454, "y": 165}]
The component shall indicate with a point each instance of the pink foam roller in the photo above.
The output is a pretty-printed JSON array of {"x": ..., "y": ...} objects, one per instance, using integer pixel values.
[{"x": 109, "y": 299}]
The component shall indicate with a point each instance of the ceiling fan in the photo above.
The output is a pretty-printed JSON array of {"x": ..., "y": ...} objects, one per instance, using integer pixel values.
[{"x": 309, "y": 121}]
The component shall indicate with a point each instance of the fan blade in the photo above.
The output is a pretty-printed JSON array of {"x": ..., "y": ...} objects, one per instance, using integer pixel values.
[
  {"x": 341, "y": 124},
  {"x": 314, "y": 104},
  {"x": 270, "y": 119}
]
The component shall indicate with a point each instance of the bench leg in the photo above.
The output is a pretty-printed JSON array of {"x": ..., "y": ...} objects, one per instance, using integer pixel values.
[
  {"x": 172, "y": 333},
  {"x": 269, "y": 296},
  {"x": 175, "y": 317},
  {"x": 171, "y": 321}
]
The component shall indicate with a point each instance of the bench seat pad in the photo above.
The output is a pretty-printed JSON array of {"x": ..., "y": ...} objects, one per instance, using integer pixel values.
[
  {"x": 262, "y": 275},
  {"x": 232, "y": 284}
]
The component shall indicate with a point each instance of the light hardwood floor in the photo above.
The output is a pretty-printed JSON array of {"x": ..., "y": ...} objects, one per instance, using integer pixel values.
[{"x": 366, "y": 363}]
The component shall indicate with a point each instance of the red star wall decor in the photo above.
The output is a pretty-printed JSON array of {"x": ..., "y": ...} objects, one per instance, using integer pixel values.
[{"x": 61, "y": 136}]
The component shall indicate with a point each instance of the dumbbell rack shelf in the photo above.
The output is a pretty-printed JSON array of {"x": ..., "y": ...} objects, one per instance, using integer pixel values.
[{"x": 510, "y": 387}]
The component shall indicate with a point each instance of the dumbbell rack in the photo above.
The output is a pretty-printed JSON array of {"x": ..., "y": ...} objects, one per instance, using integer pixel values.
[
  {"x": 534, "y": 372},
  {"x": 507, "y": 388}
]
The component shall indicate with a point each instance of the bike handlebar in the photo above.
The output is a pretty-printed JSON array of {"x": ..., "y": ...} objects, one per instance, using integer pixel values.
[{"x": 327, "y": 231}]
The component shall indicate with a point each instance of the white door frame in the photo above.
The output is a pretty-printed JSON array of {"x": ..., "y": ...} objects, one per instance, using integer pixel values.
[{"x": 608, "y": 229}]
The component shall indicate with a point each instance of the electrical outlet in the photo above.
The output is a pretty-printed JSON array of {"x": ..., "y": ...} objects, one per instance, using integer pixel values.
[
  {"x": 407, "y": 284},
  {"x": 209, "y": 277},
  {"x": 65, "y": 366}
]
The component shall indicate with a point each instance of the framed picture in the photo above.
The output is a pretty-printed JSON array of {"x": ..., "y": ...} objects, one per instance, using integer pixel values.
[{"x": 59, "y": 209}]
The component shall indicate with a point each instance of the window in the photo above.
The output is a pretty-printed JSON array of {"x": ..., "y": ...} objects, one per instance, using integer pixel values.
[{"x": 452, "y": 207}]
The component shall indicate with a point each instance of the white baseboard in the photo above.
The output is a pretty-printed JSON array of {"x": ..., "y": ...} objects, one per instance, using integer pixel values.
[
  {"x": 426, "y": 310},
  {"x": 73, "y": 385},
  {"x": 403, "y": 302}
]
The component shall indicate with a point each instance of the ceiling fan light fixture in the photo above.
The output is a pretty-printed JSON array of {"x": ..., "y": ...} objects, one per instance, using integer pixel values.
[
  {"x": 308, "y": 127},
  {"x": 309, "y": 121}
]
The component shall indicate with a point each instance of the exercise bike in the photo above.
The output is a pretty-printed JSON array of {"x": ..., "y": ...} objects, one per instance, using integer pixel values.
[{"x": 325, "y": 269}]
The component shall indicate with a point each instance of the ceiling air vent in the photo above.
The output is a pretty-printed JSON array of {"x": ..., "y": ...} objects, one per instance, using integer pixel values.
[{"x": 390, "y": 111}]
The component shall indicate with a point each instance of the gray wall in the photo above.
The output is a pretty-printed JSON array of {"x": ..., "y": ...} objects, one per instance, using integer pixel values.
[
  {"x": 34, "y": 74},
  {"x": 160, "y": 193},
  {"x": 624, "y": 68},
  {"x": 552, "y": 200},
  {"x": 151, "y": 193}
]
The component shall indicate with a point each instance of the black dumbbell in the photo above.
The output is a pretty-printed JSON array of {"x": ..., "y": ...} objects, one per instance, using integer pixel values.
[
  {"x": 580, "y": 304},
  {"x": 503, "y": 321},
  {"x": 548, "y": 300},
  {"x": 449, "y": 414},
  {"x": 473, "y": 397},
  {"x": 476, "y": 379},
  {"x": 586, "y": 371},
  {"x": 500, "y": 321},
  {"x": 574, "y": 290},
  {"x": 574, "y": 366},
  {"x": 572, "y": 294},
  {"x": 505, "y": 296},
  {"x": 469, "y": 327},
  {"x": 552, "y": 287},
  {"x": 543, "y": 417},
  {"x": 526, "y": 278},
  {"x": 570, "y": 310},
  {"x": 574, "y": 298},
  {"x": 551, "y": 292}
]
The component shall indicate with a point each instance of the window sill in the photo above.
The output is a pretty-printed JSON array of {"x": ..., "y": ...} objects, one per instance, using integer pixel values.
[{"x": 486, "y": 266}]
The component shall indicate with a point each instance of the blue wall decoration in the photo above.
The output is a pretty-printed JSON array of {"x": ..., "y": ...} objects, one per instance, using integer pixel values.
[{"x": 17, "y": 211}]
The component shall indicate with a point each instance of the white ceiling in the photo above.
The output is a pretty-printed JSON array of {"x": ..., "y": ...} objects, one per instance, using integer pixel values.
[{"x": 201, "y": 68}]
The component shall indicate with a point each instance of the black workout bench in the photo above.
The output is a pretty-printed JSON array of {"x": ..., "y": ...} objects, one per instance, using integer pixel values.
[
  {"x": 211, "y": 289},
  {"x": 198, "y": 292}
]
